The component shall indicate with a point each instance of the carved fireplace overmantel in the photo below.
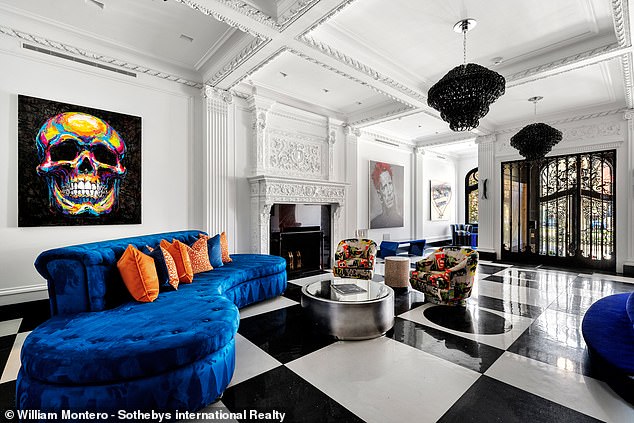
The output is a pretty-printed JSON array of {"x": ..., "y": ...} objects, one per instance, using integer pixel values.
[{"x": 269, "y": 190}]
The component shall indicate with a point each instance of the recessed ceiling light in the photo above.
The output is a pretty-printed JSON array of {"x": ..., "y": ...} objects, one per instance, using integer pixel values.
[
  {"x": 359, "y": 103},
  {"x": 186, "y": 38},
  {"x": 96, "y": 3},
  {"x": 497, "y": 60},
  {"x": 325, "y": 90},
  {"x": 284, "y": 74},
  {"x": 420, "y": 126}
]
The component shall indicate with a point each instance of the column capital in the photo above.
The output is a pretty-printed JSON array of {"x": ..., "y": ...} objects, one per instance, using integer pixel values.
[
  {"x": 351, "y": 130},
  {"x": 420, "y": 151},
  {"x": 628, "y": 114},
  {"x": 210, "y": 92},
  {"x": 486, "y": 139}
]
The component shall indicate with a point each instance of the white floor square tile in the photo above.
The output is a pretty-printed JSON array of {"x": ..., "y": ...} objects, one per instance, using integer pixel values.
[
  {"x": 382, "y": 380},
  {"x": 10, "y": 327},
  {"x": 311, "y": 279},
  {"x": 266, "y": 306},
  {"x": 250, "y": 361},
  {"x": 518, "y": 294},
  {"x": 502, "y": 341},
  {"x": 582, "y": 393},
  {"x": 12, "y": 367}
]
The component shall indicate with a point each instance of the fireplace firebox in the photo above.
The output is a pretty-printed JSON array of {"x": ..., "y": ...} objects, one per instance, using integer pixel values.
[{"x": 301, "y": 233}]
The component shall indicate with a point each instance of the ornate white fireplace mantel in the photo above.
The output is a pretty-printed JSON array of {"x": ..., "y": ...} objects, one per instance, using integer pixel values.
[{"x": 269, "y": 190}]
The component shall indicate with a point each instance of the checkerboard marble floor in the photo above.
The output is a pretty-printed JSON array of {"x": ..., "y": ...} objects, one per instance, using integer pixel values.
[{"x": 515, "y": 354}]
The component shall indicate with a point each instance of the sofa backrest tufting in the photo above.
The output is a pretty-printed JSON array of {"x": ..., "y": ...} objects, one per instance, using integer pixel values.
[{"x": 85, "y": 277}]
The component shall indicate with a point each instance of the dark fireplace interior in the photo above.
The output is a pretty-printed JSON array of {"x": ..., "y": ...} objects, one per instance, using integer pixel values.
[{"x": 301, "y": 234}]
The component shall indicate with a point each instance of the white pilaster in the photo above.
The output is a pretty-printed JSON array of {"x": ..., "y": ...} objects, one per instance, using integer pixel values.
[
  {"x": 216, "y": 137},
  {"x": 488, "y": 188},
  {"x": 351, "y": 162},
  {"x": 419, "y": 180},
  {"x": 629, "y": 116},
  {"x": 331, "y": 138},
  {"x": 259, "y": 108}
]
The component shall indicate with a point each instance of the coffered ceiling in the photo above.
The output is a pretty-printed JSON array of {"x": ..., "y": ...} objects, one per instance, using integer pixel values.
[{"x": 366, "y": 62}]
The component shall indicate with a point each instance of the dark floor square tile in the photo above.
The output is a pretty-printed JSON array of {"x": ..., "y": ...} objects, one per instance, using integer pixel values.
[
  {"x": 519, "y": 309},
  {"x": 7, "y": 400},
  {"x": 6, "y": 345},
  {"x": 554, "y": 338},
  {"x": 489, "y": 269},
  {"x": 405, "y": 301},
  {"x": 573, "y": 303},
  {"x": 462, "y": 351},
  {"x": 285, "y": 334},
  {"x": 33, "y": 313},
  {"x": 282, "y": 390},
  {"x": 489, "y": 400},
  {"x": 293, "y": 292}
]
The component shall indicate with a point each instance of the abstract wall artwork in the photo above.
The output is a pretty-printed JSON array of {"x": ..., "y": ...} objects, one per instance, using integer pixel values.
[
  {"x": 386, "y": 195},
  {"x": 77, "y": 165},
  {"x": 439, "y": 198}
]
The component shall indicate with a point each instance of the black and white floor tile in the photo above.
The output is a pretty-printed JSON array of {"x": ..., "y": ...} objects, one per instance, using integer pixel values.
[{"x": 514, "y": 354}]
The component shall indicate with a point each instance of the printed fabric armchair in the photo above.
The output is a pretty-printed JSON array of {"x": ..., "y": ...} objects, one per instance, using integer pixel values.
[
  {"x": 446, "y": 276},
  {"x": 354, "y": 258}
]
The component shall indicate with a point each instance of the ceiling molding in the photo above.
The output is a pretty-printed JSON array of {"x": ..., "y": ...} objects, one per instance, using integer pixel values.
[
  {"x": 67, "y": 48},
  {"x": 620, "y": 19},
  {"x": 238, "y": 60},
  {"x": 385, "y": 115},
  {"x": 249, "y": 29},
  {"x": 565, "y": 64},
  {"x": 571, "y": 119},
  {"x": 297, "y": 10},
  {"x": 214, "y": 48},
  {"x": 452, "y": 138},
  {"x": 257, "y": 67},
  {"x": 378, "y": 136},
  {"x": 347, "y": 60},
  {"x": 327, "y": 16},
  {"x": 248, "y": 10},
  {"x": 626, "y": 69},
  {"x": 350, "y": 77}
]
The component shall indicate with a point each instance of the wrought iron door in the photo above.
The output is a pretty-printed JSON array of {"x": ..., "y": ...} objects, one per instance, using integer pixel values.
[{"x": 560, "y": 211}]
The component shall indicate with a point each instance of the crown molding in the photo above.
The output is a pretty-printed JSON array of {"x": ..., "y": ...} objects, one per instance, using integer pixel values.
[
  {"x": 626, "y": 69},
  {"x": 361, "y": 67},
  {"x": 296, "y": 11},
  {"x": 350, "y": 77},
  {"x": 451, "y": 138},
  {"x": 394, "y": 141},
  {"x": 245, "y": 11},
  {"x": 620, "y": 20},
  {"x": 97, "y": 57},
  {"x": 327, "y": 16},
  {"x": 577, "y": 118},
  {"x": 257, "y": 67},
  {"x": 381, "y": 116},
  {"x": 238, "y": 60},
  {"x": 566, "y": 64}
]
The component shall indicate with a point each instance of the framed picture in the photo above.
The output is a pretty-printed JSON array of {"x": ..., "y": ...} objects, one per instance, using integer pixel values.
[
  {"x": 439, "y": 200},
  {"x": 77, "y": 165},
  {"x": 386, "y": 195}
]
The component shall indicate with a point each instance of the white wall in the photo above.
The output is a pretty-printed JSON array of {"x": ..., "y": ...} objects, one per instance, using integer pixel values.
[
  {"x": 368, "y": 149},
  {"x": 438, "y": 168},
  {"x": 171, "y": 190}
]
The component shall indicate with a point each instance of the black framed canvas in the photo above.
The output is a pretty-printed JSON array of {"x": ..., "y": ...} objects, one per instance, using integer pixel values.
[{"x": 77, "y": 165}]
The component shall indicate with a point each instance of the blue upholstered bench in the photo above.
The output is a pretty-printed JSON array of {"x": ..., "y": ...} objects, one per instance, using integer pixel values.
[
  {"x": 103, "y": 351},
  {"x": 415, "y": 247},
  {"x": 608, "y": 329}
]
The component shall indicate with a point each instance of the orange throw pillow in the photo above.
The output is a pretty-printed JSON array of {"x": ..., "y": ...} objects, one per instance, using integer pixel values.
[
  {"x": 199, "y": 256},
  {"x": 178, "y": 251},
  {"x": 224, "y": 247},
  {"x": 139, "y": 274}
]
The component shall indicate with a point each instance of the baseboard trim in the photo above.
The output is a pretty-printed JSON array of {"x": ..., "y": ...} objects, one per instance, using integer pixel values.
[
  {"x": 628, "y": 270},
  {"x": 440, "y": 243},
  {"x": 485, "y": 255},
  {"x": 23, "y": 294}
]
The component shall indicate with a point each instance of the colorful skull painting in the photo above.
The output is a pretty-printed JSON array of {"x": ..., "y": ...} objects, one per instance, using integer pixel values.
[{"x": 80, "y": 156}]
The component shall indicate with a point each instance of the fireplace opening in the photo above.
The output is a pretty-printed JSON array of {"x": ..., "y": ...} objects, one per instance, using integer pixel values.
[{"x": 301, "y": 234}]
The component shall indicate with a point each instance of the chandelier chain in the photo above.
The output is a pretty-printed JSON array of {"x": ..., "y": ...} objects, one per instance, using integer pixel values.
[{"x": 464, "y": 43}]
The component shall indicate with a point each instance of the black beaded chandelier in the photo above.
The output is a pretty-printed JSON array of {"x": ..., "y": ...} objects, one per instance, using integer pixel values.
[
  {"x": 536, "y": 140},
  {"x": 464, "y": 94}
]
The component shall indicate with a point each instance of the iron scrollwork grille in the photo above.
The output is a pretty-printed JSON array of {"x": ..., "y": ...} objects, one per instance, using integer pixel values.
[
  {"x": 561, "y": 208},
  {"x": 471, "y": 197}
]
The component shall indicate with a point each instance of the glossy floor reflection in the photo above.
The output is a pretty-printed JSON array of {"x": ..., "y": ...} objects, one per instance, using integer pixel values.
[{"x": 514, "y": 354}]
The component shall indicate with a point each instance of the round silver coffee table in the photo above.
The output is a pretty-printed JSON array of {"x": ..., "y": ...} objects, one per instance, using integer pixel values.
[{"x": 349, "y": 309}]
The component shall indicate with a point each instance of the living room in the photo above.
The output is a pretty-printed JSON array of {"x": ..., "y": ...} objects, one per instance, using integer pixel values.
[{"x": 240, "y": 106}]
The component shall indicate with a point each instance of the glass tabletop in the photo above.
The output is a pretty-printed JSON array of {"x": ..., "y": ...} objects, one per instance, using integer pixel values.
[{"x": 347, "y": 290}]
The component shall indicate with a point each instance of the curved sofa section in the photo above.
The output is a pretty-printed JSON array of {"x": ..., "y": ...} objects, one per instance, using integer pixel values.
[{"x": 103, "y": 351}]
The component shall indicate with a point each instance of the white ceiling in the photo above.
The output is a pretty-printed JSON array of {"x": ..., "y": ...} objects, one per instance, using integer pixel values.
[{"x": 376, "y": 58}]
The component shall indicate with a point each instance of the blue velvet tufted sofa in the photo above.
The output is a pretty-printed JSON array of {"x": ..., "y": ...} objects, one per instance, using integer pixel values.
[{"x": 103, "y": 351}]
